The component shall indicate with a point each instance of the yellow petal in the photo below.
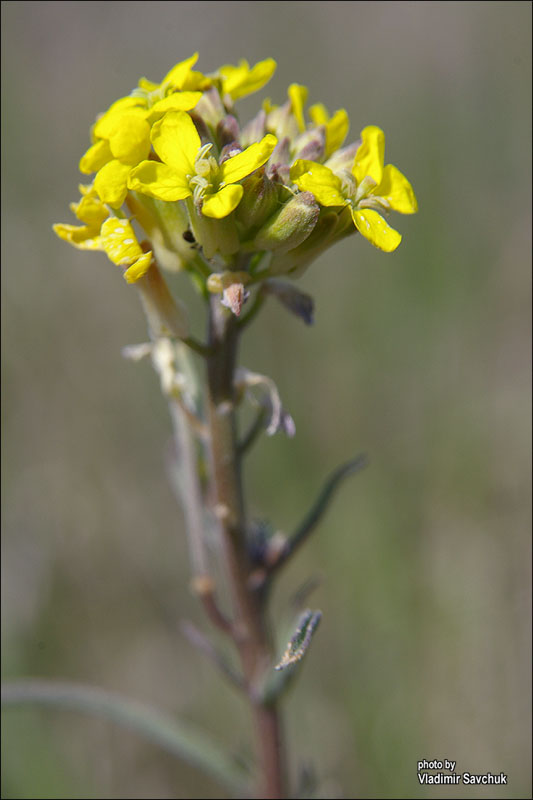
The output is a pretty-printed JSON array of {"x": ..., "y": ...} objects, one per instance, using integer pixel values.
[
  {"x": 90, "y": 209},
  {"x": 374, "y": 228},
  {"x": 196, "y": 81},
  {"x": 298, "y": 98},
  {"x": 129, "y": 139},
  {"x": 370, "y": 155},
  {"x": 178, "y": 74},
  {"x": 96, "y": 156},
  {"x": 395, "y": 188},
  {"x": 223, "y": 202},
  {"x": 319, "y": 114},
  {"x": 147, "y": 85},
  {"x": 336, "y": 131},
  {"x": 119, "y": 241},
  {"x": 105, "y": 125},
  {"x": 111, "y": 183},
  {"x": 86, "y": 188},
  {"x": 176, "y": 141},
  {"x": 177, "y": 101},
  {"x": 319, "y": 180},
  {"x": 268, "y": 106},
  {"x": 160, "y": 181},
  {"x": 85, "y": 237},
  {"x": 138, "y": 268},
  {"x": 241, "y": 81},
  {"x": 241, "y": 165}
]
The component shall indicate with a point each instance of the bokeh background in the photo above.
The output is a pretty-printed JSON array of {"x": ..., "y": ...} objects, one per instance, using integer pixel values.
[{"x": 420, "y": 359}]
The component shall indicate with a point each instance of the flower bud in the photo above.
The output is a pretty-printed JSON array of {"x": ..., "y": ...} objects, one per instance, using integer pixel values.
[
  {"x": 165, "y": 225},
  {"x": 289, "y": 226},
  {"x": 254, "y": 130},
  {"x": 229, "y": 150},
  {"x": 296, "y": 261},
  {"x": 311, "y": 145},
  {"x": 217, "y": 282},
  {"x": 234, "y": 297},
  {"x": 214, "y": 235},
  {"x": 228, "y": 130},
  {"x": 258, "y": 202},
  {"x": 278, "y": 168},
  {"x": 343, "y": 159},
  {"x": 282, "y": 122},
  {"x": 210, "y": 108}
]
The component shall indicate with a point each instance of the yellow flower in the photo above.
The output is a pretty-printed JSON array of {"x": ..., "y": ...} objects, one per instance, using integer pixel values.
[
  {"x": 122, "y": 134},
  {"x": 336, "y": 126},
  {"x": 114, "y": 236},
  {"x": 370, "y": 188},
  {"x": 92, "y": 212},
  {"x": 240, "y": 81},
  {"x": 189, "y": 170}
]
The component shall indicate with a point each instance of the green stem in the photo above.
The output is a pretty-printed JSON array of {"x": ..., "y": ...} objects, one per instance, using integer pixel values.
[{"x": 250, "y": 629}]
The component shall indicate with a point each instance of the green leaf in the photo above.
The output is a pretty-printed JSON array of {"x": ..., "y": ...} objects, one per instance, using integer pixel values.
[{"x": 178, "y": 738}]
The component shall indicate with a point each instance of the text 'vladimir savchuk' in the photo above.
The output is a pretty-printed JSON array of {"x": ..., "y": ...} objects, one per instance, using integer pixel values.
[{"x": 455, "y": 778}]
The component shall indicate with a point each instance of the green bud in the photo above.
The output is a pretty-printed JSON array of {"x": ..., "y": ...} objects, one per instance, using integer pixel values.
[
  {"x": 258, "y": 202},
  {"x": 165, "y": 224},
  {"x": 289, "y": 226},
  {"x": 296, "y": 261},
  {"x": 213, "y": 235}
]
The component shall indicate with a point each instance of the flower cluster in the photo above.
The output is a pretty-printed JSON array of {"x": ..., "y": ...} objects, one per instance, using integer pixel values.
[{"x": 219, "y": 198}]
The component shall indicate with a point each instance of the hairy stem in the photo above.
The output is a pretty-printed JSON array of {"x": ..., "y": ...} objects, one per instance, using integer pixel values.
[{"x": 250, "y": 629}]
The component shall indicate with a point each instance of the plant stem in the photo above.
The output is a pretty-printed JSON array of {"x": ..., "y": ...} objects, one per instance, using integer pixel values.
[{"x": 250, "y": 629}]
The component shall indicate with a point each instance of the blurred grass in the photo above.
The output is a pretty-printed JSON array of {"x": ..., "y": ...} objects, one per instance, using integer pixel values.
[{"x": 421, "y": 359}]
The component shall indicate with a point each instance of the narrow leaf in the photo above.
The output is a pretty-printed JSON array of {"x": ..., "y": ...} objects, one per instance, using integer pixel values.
[
  {"x": 179, "y": 739},
  {"x": 301, "y": 638}
]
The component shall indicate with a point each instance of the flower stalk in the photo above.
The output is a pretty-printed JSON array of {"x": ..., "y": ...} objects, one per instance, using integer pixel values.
[
  {"x": 250, "y": 627},
  {"x": 241, "y": 211}
]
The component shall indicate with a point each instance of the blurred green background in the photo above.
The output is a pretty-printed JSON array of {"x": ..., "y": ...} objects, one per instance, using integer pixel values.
[{"x": 420, "y": 358}]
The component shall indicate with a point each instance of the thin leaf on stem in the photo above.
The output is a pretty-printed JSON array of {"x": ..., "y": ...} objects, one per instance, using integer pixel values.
[
  {"x": 319, "y": 508},
  {"x": 180, "y": 739}
]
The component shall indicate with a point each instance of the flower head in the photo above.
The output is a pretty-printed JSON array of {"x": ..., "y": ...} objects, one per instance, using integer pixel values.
[
  {"x": 122, "y": 135},
  {"x": 188, "y": 168},
  {"x": 254, "y": 201},
  {"x": 369, "y": 189}
]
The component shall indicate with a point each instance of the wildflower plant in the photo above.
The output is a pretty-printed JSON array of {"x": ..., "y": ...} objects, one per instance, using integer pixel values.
[{"x": 179, "y": 183}]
